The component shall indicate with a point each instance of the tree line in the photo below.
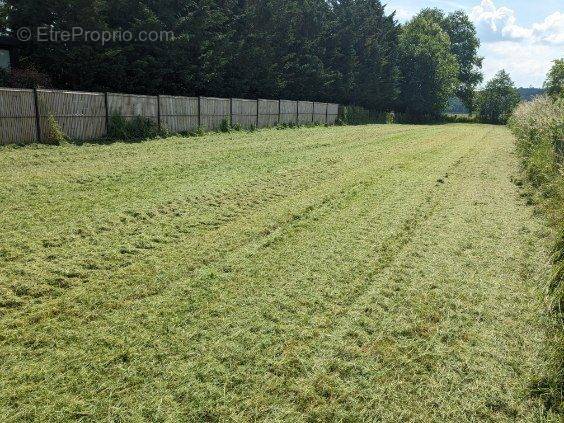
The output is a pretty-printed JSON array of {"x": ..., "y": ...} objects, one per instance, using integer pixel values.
[{"x": 346, "y": 51}]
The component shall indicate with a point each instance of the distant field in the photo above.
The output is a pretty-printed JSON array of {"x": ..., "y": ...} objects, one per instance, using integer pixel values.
[{"x": 370, "y": 273}]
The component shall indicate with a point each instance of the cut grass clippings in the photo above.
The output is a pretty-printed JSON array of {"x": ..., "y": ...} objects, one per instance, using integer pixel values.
[{"x": 369, "y": 273}]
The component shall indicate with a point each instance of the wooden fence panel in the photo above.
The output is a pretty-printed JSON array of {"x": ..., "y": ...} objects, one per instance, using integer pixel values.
[
  {"x": 213, "y": 112},
  {"x": 179, "y": 114},
  {"x": 130, "y": 106},
  {"x": 320, "y": 113},
  {"x": 268, "y": 113},
  {"x": 81, "y": 116},
  {"x": 244, "y": 112},
  {"x": 288, "y": 111},
  {"x": 17, "y": 117},
  {"x": 332, "y": 113},
  {"x": 305, "y": 112}
]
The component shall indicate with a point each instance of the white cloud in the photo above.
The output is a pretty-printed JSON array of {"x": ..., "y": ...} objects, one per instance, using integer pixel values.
[
  {"x": 526, "y": 52},
  {"x": 500, "y": 23},
  {"x": 527, "y": 63},
  {"x": 551, "y": 30}
]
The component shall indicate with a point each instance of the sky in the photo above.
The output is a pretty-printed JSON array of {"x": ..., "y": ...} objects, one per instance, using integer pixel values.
[{"x": 521, "y": 36}]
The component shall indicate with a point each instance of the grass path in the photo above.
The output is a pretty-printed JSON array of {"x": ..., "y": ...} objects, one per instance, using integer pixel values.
[{"x": 377, "y": 273}]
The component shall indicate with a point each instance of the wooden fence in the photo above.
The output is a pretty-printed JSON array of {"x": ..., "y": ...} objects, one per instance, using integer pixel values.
[{"x": 25, "y": 114}]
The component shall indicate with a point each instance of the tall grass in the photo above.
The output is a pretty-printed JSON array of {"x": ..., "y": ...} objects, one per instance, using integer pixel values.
[
  {"x": 136, "y": 129},
  {"x": 539, "y": 128}
]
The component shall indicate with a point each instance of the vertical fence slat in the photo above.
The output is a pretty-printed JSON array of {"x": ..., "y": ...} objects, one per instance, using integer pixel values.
[
  {"x": 37, "y": 114},
  {"x": 159, "y": 112},
  {"x": 231, "y": 111},
  {"x": 199, "y": 112},
  {"x": 107, "y": 112}
]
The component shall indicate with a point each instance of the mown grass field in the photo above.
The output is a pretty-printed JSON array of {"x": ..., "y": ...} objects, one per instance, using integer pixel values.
[{"x": 372, "y": 273}]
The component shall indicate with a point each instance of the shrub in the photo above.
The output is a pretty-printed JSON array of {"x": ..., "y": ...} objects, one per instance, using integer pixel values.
[
  {"x": 498, "y": 100},
  {"x": 54, "y": 134},
  {"x": 138, "y": 128},
  {"x": 539, "y": 128},
  {"x": 461, "y": 118},
  {"x": 554, "y": 84},
  {"x": 200, "y": 132},
  {"x": 225, "y": 126},
  {"x": 354, "y": 115}
]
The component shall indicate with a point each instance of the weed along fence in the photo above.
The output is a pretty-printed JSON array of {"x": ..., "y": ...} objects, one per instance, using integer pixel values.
[{"x": 27, "y": 116}]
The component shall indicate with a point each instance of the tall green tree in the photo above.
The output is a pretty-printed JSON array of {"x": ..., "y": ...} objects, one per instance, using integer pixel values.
[
  {"x": 428, "y": 68},
  {"x": 464, "y": 45},
  {"x": 364, "y": 52},
  {"x": 498, "y": 99},
  {"x": 300, "y": 47},
  {"x": 554, "y": 83}
]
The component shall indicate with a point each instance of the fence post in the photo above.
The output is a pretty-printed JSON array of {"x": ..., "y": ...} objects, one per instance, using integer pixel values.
[
  {"x": 258, "y": 103},
  {"x": 107, "y": 113},
  {"x": 326, "y": 113},
  {"x": 159, "y": 112},
  {"x": 37, "y": 115},
  {"x": 231, "y": 111},
  {"x": 313, "y": 114},
  {"x": 279, "y": 111},
  {"x": 297, "y": 112},
  {"x": 199, "y": 112}
]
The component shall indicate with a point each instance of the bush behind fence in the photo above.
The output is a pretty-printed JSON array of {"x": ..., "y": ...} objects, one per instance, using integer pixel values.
[{"x": 26, "y": 116}]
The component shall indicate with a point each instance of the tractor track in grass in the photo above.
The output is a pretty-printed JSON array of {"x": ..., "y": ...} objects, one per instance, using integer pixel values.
[
  {"x": 377, "y": 273},
  {"x": 226, "y": 206}
]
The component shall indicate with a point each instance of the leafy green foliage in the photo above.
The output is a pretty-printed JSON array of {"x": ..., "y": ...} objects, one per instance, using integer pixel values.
[
  {"x": 54, "y": 134},
  {"x": 539, "y": 129},
  {"x": 225, "y": 126},
  {"x": 554, "y": 84},
  {"x": 498, "y": 100},
  {"x": 135, "y": 129},
  {"x": 429, "y": 69},
  {"x": 363, "y": 54},
  {"x": 464, "y": 45}
]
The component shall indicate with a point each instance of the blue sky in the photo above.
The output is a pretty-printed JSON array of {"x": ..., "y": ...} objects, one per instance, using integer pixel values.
[{"x": 522, "y": 37}]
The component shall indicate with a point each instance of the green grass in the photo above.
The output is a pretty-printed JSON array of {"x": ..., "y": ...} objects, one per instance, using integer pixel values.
[{"x": 369, "y": 273}]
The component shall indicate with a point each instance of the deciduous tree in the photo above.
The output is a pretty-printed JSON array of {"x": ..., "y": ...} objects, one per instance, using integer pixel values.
[
  {"x": 554, "y": 83},
  {"x": 498, "y": 100},
  {"x": 428, "y": 68}
]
